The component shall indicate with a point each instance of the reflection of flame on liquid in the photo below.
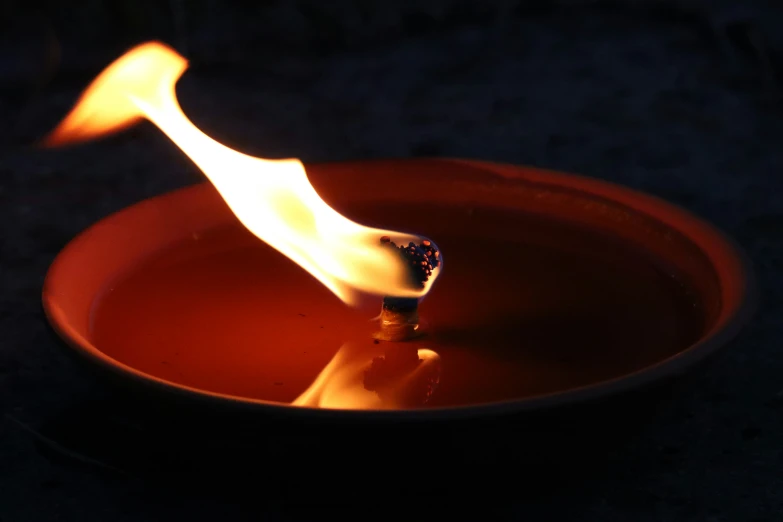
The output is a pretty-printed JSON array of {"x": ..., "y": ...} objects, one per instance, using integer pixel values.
[
  {"x": 273, "y": 199},
  {"x": 343, "y": 382}
]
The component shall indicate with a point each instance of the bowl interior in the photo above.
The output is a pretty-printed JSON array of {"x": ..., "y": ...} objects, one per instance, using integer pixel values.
[{"x": 591, "y": 223}]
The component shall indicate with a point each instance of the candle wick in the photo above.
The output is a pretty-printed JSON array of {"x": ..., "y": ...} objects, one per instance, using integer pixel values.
[{"x": 400, "y": 315}]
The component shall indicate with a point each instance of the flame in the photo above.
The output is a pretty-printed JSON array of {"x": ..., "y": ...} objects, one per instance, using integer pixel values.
[
  {"x": 340, "y": 383},
  {"x": 272, "y": 198}
]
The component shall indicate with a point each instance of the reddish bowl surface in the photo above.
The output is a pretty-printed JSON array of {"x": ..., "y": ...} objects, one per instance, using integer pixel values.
[{"x": 708, "y": 266}]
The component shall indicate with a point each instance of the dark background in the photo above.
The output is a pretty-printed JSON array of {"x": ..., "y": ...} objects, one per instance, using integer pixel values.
[{"x": 681, "y": 99}]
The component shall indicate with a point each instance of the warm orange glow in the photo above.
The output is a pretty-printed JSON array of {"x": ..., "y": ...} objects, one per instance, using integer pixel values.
[
  {"x": 340, "y": 383},
  {"x": 272, "y": 198}
]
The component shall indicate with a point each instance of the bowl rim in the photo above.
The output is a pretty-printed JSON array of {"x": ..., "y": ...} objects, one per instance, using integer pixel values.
[{"x": 731, "y": 321}]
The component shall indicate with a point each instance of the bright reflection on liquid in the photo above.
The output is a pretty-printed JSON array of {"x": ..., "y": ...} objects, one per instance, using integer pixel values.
[{"x": 342, "y": 384}]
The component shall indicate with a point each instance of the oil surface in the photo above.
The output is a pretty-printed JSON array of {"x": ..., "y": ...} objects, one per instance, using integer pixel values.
[{"x": 523, "y": 307}]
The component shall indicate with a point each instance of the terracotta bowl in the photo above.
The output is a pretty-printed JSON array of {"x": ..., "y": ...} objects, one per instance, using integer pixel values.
[{"x": 556, "y": 290}]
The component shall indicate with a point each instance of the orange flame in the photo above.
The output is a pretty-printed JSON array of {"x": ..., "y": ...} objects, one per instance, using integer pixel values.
[
  {"x": 340, "y": 383},
  {"x": 272, "y": 198}
]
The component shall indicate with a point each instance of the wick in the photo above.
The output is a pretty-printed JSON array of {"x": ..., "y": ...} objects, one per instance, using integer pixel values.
[
  {"x": 400, "y": 315},
  {"x": 399, "y": 319}
]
